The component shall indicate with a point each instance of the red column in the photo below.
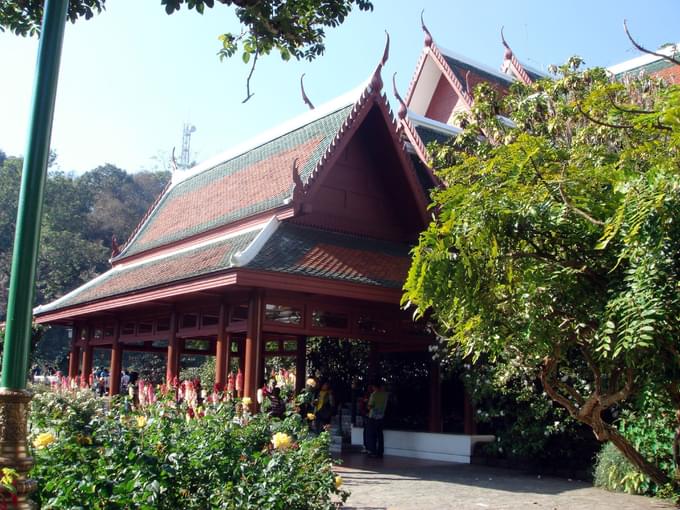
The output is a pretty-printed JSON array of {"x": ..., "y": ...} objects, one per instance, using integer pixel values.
[
  {"x": 253, "y": 348},
  {"x": 301, "y": 364},
  {"x": 372, "y": 363},
  {"x": 435, "y": 416},
  {"x": 116, "y": 362},
  {"x": 469, "y": 425},
  {"x": 87, "y": 355},
  {"x": 222, "y": 349},
  {"x": 74, "y": 357},
  {"x": 172, "y": 362}
]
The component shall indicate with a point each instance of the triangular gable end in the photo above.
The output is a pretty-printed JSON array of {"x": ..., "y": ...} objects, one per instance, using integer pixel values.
[{"x": 366, "y": 183}]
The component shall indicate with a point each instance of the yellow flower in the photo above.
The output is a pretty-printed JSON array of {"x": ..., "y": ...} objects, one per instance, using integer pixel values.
[
  {"x": 282, "y": 441},
  {"x": 141, "y": 422},
  {"x": 247, "y": 401},
  {"x": 338, "y": 481},
  {"x": 311, "y": 382},
  {"x": 311, "y": 416},
  {"x": 44, "y": 439},
  {"x": 8, "y": 476}
]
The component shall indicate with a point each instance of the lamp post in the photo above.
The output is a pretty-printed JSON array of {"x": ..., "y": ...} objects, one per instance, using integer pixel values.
[{"x": 14, "y": 398}]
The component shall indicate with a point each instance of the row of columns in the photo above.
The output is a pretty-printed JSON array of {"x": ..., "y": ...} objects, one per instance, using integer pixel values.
[{"x": 252, "y": 363}]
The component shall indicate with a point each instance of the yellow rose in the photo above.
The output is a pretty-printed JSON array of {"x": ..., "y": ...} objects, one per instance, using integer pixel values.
[
  {"x": 141, "y": 422},
  {"x": 282, "y": 441},
  {"x": 247, "y": 401},
  {"x": 311, "y": 416},
  {"x": 338, "y": 481},
  {"x": 44, "y": 439}
]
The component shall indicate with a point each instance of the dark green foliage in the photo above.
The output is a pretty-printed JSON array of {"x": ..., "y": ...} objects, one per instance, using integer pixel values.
[
  {"x": 80, "y": 216},
  {"x": 24, "y": 17},
  {"x": 648, "y": 424}
]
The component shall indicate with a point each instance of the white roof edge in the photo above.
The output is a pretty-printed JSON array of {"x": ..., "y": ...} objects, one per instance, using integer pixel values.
[
  {"x": 84, "y": 286},
  {"x": 642, "y": 60},
  {"x": 474, "y": 63},
  {"x": 534, "y": 70},
  {"x": 244, "y": 257},
  {"x": 308, "y": 117},
  {"x": 434, "y": 124}
]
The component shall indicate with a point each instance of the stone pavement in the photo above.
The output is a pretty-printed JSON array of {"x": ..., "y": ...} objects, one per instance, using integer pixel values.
[{"x": 395, "y": 483}]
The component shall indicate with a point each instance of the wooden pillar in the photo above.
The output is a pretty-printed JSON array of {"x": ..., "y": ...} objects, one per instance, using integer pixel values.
[
  {"x": 74, "y": 357},
  {"x": 87, "y": 356},
  {"x": 242, "y": 361},
  {"x": 469, "y": 425},
  {"x": 301, "y": 364},
  {"x": 372, "y": 363},
  {"x": 116, "y": 361},
  {"x": 253, "y": 348},
  {"x": 172, "y": 362},
  {"x": 435, "y": 415},
  {"x": 222, "y": 349}
]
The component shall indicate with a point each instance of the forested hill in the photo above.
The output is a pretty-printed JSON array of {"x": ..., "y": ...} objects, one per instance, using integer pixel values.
[{"x": 80, "y": 215}]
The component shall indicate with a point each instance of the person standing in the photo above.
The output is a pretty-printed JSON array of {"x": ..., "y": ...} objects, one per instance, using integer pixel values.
[{"x": 377, "y": 404}]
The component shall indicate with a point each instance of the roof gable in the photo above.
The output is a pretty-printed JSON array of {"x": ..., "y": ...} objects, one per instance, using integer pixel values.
[{"x": 255, "y": 181}]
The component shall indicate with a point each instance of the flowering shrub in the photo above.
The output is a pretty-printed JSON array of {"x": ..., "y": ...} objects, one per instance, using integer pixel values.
[{"x": 170, "y": 453}]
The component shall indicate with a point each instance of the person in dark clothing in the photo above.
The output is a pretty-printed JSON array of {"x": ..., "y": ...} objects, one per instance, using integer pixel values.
[{"x": 278, "y": 406}]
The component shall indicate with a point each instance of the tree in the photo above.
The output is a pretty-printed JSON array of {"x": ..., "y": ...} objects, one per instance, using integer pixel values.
[
  {"x": 556, "y": 242},
  {"x": 296, "y": 28}
]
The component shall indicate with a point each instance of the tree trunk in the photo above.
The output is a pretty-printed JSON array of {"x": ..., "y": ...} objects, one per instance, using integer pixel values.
[{"x": 635, "y": 457}]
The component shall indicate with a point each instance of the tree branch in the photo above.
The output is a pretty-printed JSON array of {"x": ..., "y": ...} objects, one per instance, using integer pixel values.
[
  {"x": 597, "y": 375},
  {"x": 571, "y": 206},
  {"x": 611, "y": 399},
  {"x": 250, "y": 75},
  {"x": 547, "y": 371},
  {"x": 645, "y": 50},
  {"x": 601, "y": 122}
]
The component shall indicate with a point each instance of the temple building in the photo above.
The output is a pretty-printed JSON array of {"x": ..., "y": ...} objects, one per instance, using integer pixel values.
[{"x": 302, "y": 232}]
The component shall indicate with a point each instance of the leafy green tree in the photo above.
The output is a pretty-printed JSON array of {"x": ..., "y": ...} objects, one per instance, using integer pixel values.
[{"x": 556, "y": 243}]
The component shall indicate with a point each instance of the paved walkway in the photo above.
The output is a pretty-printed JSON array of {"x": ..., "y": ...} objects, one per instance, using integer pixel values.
[{"x": 396, "y": 483}]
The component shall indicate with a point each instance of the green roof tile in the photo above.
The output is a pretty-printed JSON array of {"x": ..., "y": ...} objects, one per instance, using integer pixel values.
[{"x": 307, "y": 251}]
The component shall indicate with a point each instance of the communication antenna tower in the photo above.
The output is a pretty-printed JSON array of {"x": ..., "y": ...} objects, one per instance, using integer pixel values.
[{"x": 185, "y": 158}]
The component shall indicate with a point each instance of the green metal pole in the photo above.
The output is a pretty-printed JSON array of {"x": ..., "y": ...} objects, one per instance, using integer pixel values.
[{"x": 22, "y": 282}]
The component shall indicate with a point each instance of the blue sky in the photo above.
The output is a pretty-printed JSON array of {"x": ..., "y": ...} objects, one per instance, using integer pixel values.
[{"x": 132, "y": 76}]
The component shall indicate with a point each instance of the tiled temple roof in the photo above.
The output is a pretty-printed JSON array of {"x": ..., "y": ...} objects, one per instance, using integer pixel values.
[
  {"x": 287, "y": 249},
  {"x": 311, "y": 252},
  {"x": 255, "y": 181},
  {"x": 184, "y": 265}
]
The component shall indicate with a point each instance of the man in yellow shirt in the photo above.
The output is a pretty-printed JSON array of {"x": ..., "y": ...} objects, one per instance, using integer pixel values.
[{"x": 377, "y": 403}]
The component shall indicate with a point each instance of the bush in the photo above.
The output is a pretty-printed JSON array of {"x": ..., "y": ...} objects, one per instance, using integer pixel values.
[
  {"x": 529, "y": 428},
  {"x": 615, "y": 473},
  {"x": 168, "y": 455},
  {"x": 650, "y": 427}
]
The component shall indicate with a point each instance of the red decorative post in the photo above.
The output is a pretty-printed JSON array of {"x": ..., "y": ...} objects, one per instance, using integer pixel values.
[
  {"x": 116, "y": 362},
  {"x": 222, "y": 349},
  {"x": 469, "y": 425},
  {"x": 74, "y": 357},
  {"x": 172, "y": 362},
  {"x": 87, "y": 356},
  {"x": 253, "y": 347},
  {"x": 435, "y": 417}
]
